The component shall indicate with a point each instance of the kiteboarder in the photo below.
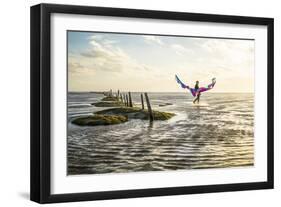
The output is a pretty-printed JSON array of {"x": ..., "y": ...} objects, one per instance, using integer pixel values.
[{"x": 196, "y": 91}]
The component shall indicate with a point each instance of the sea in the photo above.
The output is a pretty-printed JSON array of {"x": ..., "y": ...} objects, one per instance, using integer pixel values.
[{"x": 217, "y": 133}]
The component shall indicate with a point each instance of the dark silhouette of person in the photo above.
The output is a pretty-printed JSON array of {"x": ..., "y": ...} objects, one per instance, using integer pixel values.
[{"x": 197, "y": 98}]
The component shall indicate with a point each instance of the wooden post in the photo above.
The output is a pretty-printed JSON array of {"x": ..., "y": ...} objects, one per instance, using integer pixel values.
[
  {"x": 130, "y": 100},
  {"x": 149, "y": 107},
  {"x": 110, "y": 93},
  {"x": 127, "y": 100},
  {"x": 118, "y": 94},
  {"x": 121, "y": 97},
  {"x": 142, "y": 105}
]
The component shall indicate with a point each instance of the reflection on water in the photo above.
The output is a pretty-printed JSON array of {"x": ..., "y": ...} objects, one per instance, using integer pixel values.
[{"x": 217, "y": 133}]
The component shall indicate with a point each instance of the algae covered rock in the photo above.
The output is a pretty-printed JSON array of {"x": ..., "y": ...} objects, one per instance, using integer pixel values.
[
  {"x": 110, "y": 98},
  {"x": 108, "y": 104},
  {"x": 160, "y": 115},
  {"x": 137, "y": 113},
  {"x": 100, "y": 119}
]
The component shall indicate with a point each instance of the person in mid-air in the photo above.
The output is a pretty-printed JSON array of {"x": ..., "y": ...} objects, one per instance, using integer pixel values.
[{"x": 197, "y": 92}]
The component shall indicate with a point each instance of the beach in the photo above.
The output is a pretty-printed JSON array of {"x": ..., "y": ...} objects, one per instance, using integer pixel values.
[{"x": 217, "y": 133}]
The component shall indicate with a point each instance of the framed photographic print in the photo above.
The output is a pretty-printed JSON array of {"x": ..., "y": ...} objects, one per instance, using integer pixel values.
[{"x": 133, "y": 103}]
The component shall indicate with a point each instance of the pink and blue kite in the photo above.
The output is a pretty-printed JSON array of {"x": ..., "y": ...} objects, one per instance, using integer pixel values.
[{"x": 193, "y": 91}]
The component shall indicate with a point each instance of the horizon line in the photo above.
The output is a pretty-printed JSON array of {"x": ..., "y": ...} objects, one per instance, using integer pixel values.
[{"x": 149, "y": 92}]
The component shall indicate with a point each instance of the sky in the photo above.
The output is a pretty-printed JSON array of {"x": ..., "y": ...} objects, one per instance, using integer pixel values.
[{"x": 148, "y": 63}]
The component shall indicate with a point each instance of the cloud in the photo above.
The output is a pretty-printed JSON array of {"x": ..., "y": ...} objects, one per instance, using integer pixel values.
[
  {"x": 113, "y": 61},
  {"x": 104, "y": 55},
  {"x": 224, "y": 59},
  {"x": 74, "y": 67},
  {"x": 153, "y": 40},
  {"x": 231, "y": 50},
  {"x": 180, "y": 50}
]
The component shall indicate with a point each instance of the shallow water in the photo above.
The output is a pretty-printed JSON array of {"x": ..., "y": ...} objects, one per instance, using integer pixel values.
[{"x": 217, "y": 133}]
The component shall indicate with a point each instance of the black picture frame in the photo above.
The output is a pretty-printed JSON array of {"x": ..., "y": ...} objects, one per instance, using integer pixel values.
[{"x": 41, "y": 102}]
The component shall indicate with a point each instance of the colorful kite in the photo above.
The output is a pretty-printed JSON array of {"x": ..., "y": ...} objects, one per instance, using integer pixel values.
[{"x": 193, "y": 91}]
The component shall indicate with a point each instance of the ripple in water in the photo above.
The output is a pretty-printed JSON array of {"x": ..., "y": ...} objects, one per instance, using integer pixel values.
[{"x": 218, "y": 133}]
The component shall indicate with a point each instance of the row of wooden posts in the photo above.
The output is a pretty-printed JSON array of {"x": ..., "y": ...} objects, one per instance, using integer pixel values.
[{"x": 128, "y": 101}]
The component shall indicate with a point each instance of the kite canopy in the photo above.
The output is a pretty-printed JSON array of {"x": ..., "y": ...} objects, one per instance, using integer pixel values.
[{"x": 193, "y": 91}]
